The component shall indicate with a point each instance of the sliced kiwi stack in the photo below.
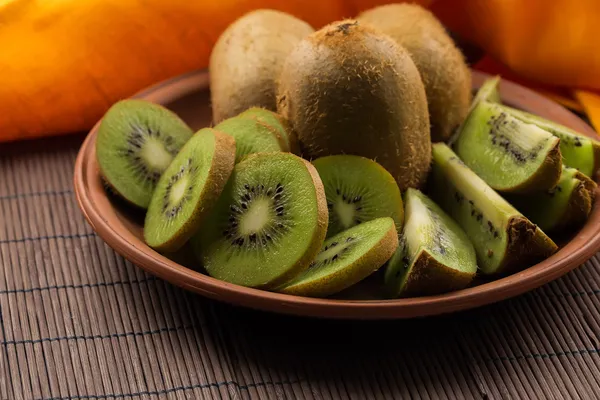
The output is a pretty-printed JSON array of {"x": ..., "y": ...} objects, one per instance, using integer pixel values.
[
  {"x": 268, "y": 224},
  {"x": 358, "y": 189},
  {"x": 508, "y": 154},
  {"x": 504, "y": 239},
  {"x": 135, "y": 143},
  {"x": 346, "y": 259},
  {"x": 251, "y": 136},
  {"x": 188, "y": 188},
  {"x": 442, "y": 66},
  {"x": 578, "y": 151},
  {"x": 276, "y": 122},
  {"x": 565, "y": 206},
  {"x": 435, "y": 255},
  {"x": 351, "y": 89}
]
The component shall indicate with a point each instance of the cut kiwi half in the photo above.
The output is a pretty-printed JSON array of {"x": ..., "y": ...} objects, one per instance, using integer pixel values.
[
  {"x": 188, "y": 189},
  {"x": 275, "y": 121},
  {"x": 503, "y": 238},
  {"x": 565, "y": 206},
  {"x": 358, "y": 189},
  {"x": 269, "y": 223},
  {"x": 135, "y": 143},
  {"x": 578, "y": 151},
  {"x": 251, "y": 136},
  {"x": 508, "y": 154},
  {"x": 346, "y": 259},
  {"x": 435, "y": 255}
]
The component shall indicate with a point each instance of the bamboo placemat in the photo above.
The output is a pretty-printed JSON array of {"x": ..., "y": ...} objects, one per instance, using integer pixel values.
[{"x": 80, "y": 322}]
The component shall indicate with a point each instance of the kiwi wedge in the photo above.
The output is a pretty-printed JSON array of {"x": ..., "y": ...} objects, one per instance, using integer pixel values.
[
  {"x": 247, "y": 58},
  {"x": 503, "y": 238},
  {"x": 578, "y": 151},
  {"x": 251, "y": 136},
  {"x": 351, "y": 89},
  {"x": 346, "y": 259},
  {"x": 565, "y": 206},
  {"x": 188, "y": 189},
  {"x": 135, "y": 143},
  {"x": 276, "y": 122},
  {"x": 508, "y": 154},
  {"x": 488, "y": 91},
  {"x": 269, "y": 223},
  {"x": 358, "y": 189},
  {"x": 442, "y": 66},
  {"x": 435, "y": 255}
]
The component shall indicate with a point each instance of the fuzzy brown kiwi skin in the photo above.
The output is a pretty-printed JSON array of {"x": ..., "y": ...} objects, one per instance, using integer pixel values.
[
  {"x": 222, "y": 165},
  {"x": 578, "y": 209},
  {"x": 368, "y": 263},
  {"x": 546, "y": 177},
  {"x": 526, "y": 245},
  {"x": 442, "y": 65},
  {"x": 589, "y": 185},
  {"x": 350, "y": 89},
  {"x": 259, "y": 40},
  {"x": 319, "y": 234},
  {"x": 429, "y": 277},
  {"x": 596, "y": 148}
]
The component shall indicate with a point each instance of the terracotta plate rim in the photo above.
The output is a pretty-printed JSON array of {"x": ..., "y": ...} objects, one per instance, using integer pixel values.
[{"x": 98, "y": 211}]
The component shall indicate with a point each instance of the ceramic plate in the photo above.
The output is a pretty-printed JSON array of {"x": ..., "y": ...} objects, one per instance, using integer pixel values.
[{"x": 188, "y": 96}]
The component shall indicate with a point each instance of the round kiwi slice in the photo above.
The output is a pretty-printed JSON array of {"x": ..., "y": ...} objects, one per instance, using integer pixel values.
[
  {"x": 247, "y": 59},
  {"x": 188, "y": 189},
  {"x": 275, "y": 121},
  {"x": 435, "y": 255},
  {"x": 135, "y": 143},
  {"x": 251, "y": 136},
  {"x": 442, "y": 66},
  {"x": 269, "y": 223},
  {"x": 346, "y": 259},
  {"x": 350, "y": 89},
  {"x": 358, "y": 189}
]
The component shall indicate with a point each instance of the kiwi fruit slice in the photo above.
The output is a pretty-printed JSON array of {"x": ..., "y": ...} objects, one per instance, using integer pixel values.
[
  {"x": 488, "y": 91},
  {"x": 351, "y": 89},
  {"x": 578, "y": 151},
  {"x": 503, "y": 238},
  {"x": 251, "y": 136},
  {"x": 565, "y": 206},
  {"x": 247, "y": 59},
  {"x": 508, "y": 154},
  {"x": 346, "y": 259},
  {"x": 269, "y": 223},
  {"x": 442, "y": 66},
  {"x": 435, "y": 255},
  {"x": 188, "y": 189},
  {"x": 276, "y": 122},
  {"x": 358, "y": 189},
  {"x": 135, "y": 143}
]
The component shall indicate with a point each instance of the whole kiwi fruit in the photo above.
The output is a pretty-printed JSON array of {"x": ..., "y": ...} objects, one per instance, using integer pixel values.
[
  {"x": 442, "y": 66},
  {"x": 247, "y": 59},
  {"x": 350, "y": 89}
]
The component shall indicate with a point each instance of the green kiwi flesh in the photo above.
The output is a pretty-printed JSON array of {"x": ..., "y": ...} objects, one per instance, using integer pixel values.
[
  {"x": 488, "y": 91},
  {"x": 346, "y": 259},
  {"x": 251, "y": 136},
  {"x": 358, "y": 189},
  {"x": 441, "y": 64},
  {"x": 435, "y": 255},
  {"x": 247, "y": 58},
  {"x": 188, "y": 189},
  {"x": 269, "y": 223},
  {"x": 275, "y": 121},
  {"x": 565, "y": 206},
  {"x": 135, "y": 143},
  {"x": 503, "y": 238},
  {"x": 350, "y": 89},
  {"x": 508, "y": 154},
  {"x": 578, "y": 151}
]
